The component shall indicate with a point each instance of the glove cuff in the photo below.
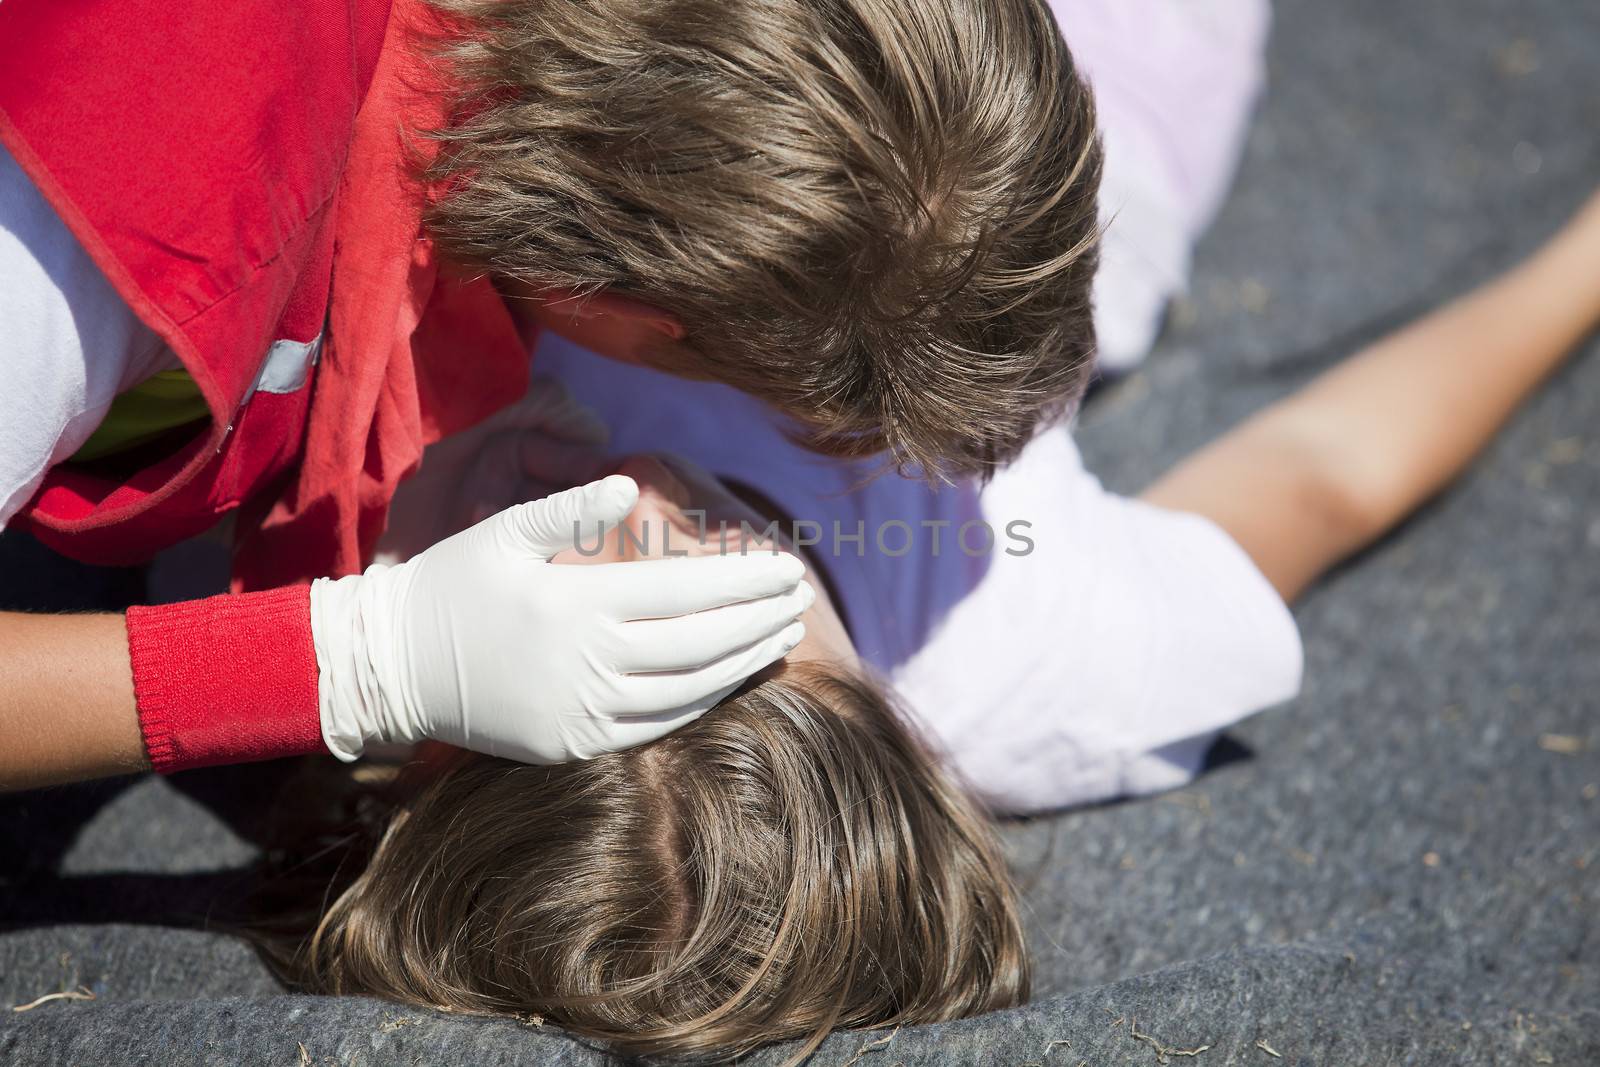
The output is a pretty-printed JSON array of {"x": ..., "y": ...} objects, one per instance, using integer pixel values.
[
  {"x": 229, "y": 679},
  {"x": 339, "y": 644},
  {"x": 353, "y": 633}
]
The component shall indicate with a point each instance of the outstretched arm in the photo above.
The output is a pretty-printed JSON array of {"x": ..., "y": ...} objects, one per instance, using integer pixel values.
[{"x": 1321, "y": 474}]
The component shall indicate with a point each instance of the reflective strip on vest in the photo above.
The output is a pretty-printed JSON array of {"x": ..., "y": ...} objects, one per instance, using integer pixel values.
[{"x": 286, "y": 367}]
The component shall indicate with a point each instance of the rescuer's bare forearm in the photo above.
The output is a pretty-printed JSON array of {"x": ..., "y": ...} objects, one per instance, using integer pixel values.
[{"x": 67, "y": 709}]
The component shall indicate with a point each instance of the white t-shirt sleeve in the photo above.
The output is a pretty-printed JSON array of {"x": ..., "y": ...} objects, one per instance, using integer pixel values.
[
  {"x": 1099, "y": 663},
  {"x": 69, "y": 343},
  {"x": 1174, "y": 82}
]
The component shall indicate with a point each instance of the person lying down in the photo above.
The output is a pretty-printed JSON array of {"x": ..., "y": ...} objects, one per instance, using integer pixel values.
[{"x": 817, "y": 852}]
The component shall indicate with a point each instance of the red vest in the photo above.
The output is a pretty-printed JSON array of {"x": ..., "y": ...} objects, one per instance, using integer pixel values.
[{"x": 210, "y": 156}]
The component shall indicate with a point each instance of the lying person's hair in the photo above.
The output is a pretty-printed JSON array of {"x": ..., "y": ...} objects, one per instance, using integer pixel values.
[
  {"x": 878, "y": 215},
  {"x": 792, "y": 863}
]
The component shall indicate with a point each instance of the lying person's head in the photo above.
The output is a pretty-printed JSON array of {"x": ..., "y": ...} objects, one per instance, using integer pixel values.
[
  {"x": 792, "y": 862},
  {"x": 878, "y": 215}
]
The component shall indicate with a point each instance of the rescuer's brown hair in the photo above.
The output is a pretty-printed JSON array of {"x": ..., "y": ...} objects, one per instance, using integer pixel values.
[{"x": 878, "y": 215}]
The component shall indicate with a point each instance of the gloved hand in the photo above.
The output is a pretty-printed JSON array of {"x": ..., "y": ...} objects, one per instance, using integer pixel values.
[{"x": 481, "y": 642}]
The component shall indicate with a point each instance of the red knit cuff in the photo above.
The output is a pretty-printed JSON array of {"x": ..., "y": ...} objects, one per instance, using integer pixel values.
[{"x": 229, "y": 679}]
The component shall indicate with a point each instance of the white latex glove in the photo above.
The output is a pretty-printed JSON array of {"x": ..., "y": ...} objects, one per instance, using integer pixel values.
[
  {"x": 480, "y": 642},
  {"x": 545, "y": 442}
]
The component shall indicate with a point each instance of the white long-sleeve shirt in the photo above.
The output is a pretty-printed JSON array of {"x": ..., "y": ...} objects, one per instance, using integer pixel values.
[{"x": 68, "y": 343}]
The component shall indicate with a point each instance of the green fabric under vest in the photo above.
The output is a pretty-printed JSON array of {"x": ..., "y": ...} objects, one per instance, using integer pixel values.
[{"x": 164, "y": 402}]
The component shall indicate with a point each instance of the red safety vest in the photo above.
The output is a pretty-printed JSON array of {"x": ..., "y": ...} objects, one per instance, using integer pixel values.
[{"x": 236, "y": 170}]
